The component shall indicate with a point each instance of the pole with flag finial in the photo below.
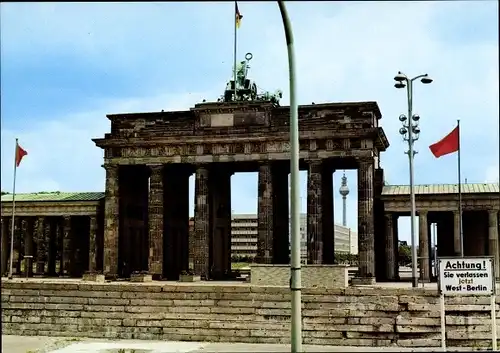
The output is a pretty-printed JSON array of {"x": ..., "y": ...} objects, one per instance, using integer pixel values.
[
  {"x": 18, "y": 155},
  {"x": 237, "y": 21},
  {"x": 460, "y": 192},
  {"x": 451, "y": 144}
]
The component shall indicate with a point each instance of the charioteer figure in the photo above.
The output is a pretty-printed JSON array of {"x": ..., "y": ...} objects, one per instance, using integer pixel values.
[{"x": 244, "y": 89}]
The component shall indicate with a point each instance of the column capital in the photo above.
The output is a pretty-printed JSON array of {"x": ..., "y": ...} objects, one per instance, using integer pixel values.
[
  {"x": 365, "y": 160},
  {"x": 154, "y": 166},
  {"x": 201, "y": 168},
  {"x": 388, "y": 216},
  {"x": 110, "y": 167},
  {"x": 493, "y": 213},
  {"x": 156, "y": 169},
  {"x": 423, "y": 212}
]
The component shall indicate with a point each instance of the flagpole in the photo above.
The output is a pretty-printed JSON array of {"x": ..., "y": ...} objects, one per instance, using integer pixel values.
[
  {"x": 460, "y": 194},
  {"x": 235, "y": 44},
  {"x": 13, "y": 213}
]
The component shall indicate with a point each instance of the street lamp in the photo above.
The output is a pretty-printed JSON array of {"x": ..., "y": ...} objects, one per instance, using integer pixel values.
[
  {"x": 410, "y": 132},
  {"x": 295, "y": 266}
]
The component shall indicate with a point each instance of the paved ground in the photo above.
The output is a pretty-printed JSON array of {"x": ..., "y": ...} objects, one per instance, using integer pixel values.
[{"x": 30, "y": 344}]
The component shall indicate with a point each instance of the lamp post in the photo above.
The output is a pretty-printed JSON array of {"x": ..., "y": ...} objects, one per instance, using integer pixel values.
[
  {"x": 410, "y": 132},
  {"x": 295, "y": 267}
]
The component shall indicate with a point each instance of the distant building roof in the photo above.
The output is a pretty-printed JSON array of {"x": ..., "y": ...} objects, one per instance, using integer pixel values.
[
  {"x": 55, "y": 196},
  {"x": 486, "y": 188}
]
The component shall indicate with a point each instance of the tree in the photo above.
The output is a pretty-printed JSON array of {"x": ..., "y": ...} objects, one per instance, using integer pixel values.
[
  {"x": 4, "y": 193},
  {"x": 404, "y": 254},
  {"x": 346, "y": 258}
]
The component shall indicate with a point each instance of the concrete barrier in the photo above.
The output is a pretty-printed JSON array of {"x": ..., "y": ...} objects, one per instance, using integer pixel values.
[
  {"x": 313, "y": 276},
  {"x": 355, "y": 316}
]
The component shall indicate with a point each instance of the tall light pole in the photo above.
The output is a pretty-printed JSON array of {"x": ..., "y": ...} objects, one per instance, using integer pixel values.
[
  {"x": 295, "y": 267},
  {"x": 410, "y": 132}
]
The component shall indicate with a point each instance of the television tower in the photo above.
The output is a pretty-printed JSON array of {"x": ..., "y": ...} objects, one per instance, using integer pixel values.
[{"x": 344, "y": 191}]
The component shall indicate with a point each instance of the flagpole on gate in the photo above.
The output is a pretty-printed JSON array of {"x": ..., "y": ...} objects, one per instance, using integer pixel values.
[
  {"x": 237, "y": 18},
  {"x": 460, "y": 193},
  {"x": 13, "y": 212}
]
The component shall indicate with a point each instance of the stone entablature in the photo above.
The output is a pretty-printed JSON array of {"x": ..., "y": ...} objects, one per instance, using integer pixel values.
[
  {"x": 258, "y": 132},
  {"x": 442, "y": 205},
  {"x": 194, "y": 151},
  {"x": 441, "y": 202},
  {"x": 53, "y": 208}
]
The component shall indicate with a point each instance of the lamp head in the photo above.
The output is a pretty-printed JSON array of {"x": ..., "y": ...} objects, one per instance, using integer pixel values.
[
  {"x": 403, "y": 131},
  {"x": 416, "y": 130},
  {"x": 399, "y": 85},
  {"x": 416, "y": 117},
  {"x": 426, "y": 79},
  {"x": 402, "y": 118},
  {"x": 400, "y": 77}
]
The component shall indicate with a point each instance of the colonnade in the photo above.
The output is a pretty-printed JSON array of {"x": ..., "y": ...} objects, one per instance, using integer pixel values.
[
  {"x": 50, "y": 246},
  {"x": 159, "y": 215},
  {"x": 480, "y": 233}
]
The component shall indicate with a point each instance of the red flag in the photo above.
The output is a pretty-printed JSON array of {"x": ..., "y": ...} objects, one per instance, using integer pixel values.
[
  {"x": 449, "y": 144},
  {"x": 20, "y": 153}
]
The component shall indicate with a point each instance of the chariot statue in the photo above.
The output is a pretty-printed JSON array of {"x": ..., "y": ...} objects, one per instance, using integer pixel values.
[{"x": 245, "y": 89}]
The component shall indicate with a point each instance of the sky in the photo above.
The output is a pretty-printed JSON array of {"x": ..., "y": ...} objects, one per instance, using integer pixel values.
[{"x": 64, "y": 66}]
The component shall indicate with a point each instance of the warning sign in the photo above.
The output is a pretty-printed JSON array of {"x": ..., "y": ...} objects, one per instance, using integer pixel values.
[{"x": 466, "y": 276}]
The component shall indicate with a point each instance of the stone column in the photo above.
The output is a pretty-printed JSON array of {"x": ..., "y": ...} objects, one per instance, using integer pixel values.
[
  {"x": 18, "y": 245},
  {"x": 389, "y": 248},
  {"x": 423, "y": 246},
  {"x": 60, "y": 244},
  {"x": 396, "y": 245},
  {"x": 40, "y": 246},
  {"x": 93, "y": 246},
  {"x": 220, "y": 199},
  {"x": 265, "y": 215},
  {"x": 67, "y": 243},
  {"x": 28, "y": 246},
  {"x": 366, "y": 239},
  {"x": 5, "y": 245},
  {"x": 111, "y": 221},
  {"x": 314, "y": 213},
  {"x": 155, "y": 216},
  {"x": 52, "y": 234},
  {"x": 493, "y": 239},
  {"x": 456, "y": 233},
  {"x": 327, "y": 205},
  {"x": 280, "y": 212},
  {"x": 202, "y": 224}
]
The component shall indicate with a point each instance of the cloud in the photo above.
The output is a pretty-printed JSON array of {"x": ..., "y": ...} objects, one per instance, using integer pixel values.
[
  {"x": 172, "y": 55},
  {"x": 492, "y": 174}
]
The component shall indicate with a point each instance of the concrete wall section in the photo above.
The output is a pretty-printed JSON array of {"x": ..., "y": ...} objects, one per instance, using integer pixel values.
[
  {"x": 321, "y": 276},
  {"x": 240, "y": 313}
]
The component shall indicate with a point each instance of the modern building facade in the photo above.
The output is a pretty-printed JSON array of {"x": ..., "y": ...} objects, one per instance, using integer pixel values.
[{"x": 244, "y": 237}]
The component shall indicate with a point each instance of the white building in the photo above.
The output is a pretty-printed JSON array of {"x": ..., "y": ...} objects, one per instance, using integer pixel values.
[{"x": 244, "y": 236}]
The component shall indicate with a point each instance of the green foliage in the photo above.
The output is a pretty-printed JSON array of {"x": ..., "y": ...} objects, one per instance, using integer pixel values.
[
  {"x": 4, "y": 193},
  {"x": 239, "y": 258},
  {"x": 404, "y": 254},
  {"x": 343, "y": 258}
]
